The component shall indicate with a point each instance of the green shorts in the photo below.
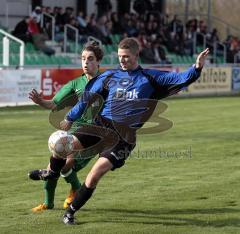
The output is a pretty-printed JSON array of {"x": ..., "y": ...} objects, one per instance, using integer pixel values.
[{"x": 80, "y": 163}]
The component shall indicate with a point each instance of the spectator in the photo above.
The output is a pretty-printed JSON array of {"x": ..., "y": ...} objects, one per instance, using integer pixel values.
[
  {"x": 39, "y": 38},
  {"x": 214, "y": 36},
  {"x": 149, "y": 29},
  {"x": 131, "y": 29},
  {"x": 142, "y": 40},
  {"x": 47, "y": 21},
  {"x": 155, "y": 28},
  {"x": 233, "y": 48},
  {"x": 81, "y": 19},
  {"x": 202, "y": 27},
  {"x": 33, "y": 26},
  {"x": 72, "y": 34},
  {"x": 159, "y": 53},
  {"x": 58, "y": 14},
  {"x": 21, "y": 30},
  {"x": 101, "y": 24},
  {"x": 116, "y": 26},
  {"x": 147, "y": 54},
  {"x": 102, "y": 27},
  {"x": 67, "y": 15},
  {"x": 94, "y": 31},
  {"x": 109, "y": 28},
  {"x": 37, "y": 14}
]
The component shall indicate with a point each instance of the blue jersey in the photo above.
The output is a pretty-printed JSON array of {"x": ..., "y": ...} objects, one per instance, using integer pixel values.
[{"x": 126, "y": 94}]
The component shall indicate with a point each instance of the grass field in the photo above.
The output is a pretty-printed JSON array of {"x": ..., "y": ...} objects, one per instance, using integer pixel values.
[{"x": 191, "y": 184}]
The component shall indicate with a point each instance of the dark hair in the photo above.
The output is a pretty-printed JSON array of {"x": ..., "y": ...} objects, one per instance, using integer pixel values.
[
  {"x": 129, "y": 43},
  {"x": 95, "y": 48}
]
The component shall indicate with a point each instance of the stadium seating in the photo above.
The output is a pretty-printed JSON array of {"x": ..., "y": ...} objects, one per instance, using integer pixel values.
[
  {"x": 106, "y": 60},
  {"x": 115, "y": 38},
  {"x": 199, "y": 49},
  {"x": 39, "y": 59},
  {"x": 220, "y": 60},
  {"x": 34, "y": 57}
]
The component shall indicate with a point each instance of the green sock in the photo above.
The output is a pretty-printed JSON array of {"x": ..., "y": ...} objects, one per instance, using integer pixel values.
[
  {"x": 49, "y": 187},
  {"x": 73, "y": 180}
]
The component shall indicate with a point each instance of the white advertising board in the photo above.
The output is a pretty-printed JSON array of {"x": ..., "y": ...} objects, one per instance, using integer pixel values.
[{"x": 16, "y": 84}]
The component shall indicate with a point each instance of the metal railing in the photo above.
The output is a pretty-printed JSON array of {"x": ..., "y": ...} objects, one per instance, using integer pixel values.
[
  {"x": 6, "y": 51},
  {"x": 66, "y": 28},
  {"x": 44, "y": 14}
]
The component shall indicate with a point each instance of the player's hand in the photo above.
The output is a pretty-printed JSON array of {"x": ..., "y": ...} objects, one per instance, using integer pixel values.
[
  {"x": 65, "y": 125},
  {"x": 201, "y": 58},
  {"x": 35, "y": 96}
]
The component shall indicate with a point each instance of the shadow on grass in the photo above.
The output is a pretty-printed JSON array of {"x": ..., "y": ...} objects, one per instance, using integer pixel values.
[{"x": 169, "y": 217}]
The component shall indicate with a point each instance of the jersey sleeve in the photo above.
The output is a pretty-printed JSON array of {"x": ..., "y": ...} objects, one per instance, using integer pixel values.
[
  {"x": 172, "y": 82},
  {"x": 93, "y": 88},
  {"x": 64, "y": 92}
]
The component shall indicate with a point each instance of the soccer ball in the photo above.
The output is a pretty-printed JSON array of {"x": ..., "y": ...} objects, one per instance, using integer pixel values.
[{"x": 61, "y": 144}]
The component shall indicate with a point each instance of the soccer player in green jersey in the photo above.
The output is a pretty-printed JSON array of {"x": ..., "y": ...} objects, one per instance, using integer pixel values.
[{"x": 91, "y": 57}]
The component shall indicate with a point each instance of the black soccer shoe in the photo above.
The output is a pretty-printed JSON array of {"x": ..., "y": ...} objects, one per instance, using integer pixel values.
[
  {"x": 43, "y": 174},
  {"x": 68, "y": 219}
]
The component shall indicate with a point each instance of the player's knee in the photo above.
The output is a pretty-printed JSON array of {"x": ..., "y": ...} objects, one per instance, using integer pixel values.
[
  {"x": 93, "y": 179},
  {"x": 101, "y": 167}
]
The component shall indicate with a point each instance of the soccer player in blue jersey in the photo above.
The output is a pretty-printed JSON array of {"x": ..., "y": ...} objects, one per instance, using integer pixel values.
[{"x": 130, "y": 95}]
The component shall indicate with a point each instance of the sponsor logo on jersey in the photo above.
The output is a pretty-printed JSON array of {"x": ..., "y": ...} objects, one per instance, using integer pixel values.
[{"x": 123, "y": 93}]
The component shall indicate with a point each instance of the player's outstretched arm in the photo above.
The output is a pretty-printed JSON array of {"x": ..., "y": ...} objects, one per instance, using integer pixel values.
[
  {"x": 170, "y": 83},
  {"x": 201, "y": 58},
  {"x": 38, "y": 99}
]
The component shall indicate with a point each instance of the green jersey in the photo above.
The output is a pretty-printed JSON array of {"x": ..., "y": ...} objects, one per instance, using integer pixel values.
[
  {"x": 72, "y": 88},
  {"x": 68, "y": 96},
  {"x": 64, "y": 99}
]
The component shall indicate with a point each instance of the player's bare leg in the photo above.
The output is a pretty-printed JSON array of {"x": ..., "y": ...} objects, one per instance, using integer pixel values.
[{"x": 100, "y": 168}]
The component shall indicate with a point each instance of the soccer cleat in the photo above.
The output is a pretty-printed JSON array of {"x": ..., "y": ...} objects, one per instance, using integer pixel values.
[
  {"x": 69, "y": 199},
  {"x": 43, "y": 174},
  {"x": 68, "y": 219},
  {"x": 41, "y": 207}
]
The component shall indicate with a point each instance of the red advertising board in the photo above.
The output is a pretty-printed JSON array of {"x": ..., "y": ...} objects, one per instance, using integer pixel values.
[{"x": 53, "y": 79}]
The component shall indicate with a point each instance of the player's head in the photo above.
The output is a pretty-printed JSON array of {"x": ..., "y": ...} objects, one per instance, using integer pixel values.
[
  {"x": 128, "y": 53},
  {"x": 92, "y": 55}
]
